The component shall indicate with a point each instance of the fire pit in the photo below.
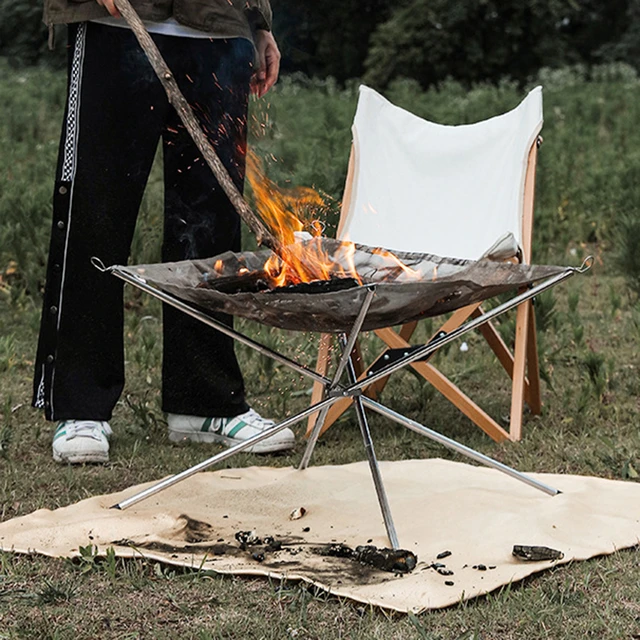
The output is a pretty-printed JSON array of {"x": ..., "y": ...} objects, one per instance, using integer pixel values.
[
  {"x": 350, "y": 289},
  {"x": 425, "y": 285}
]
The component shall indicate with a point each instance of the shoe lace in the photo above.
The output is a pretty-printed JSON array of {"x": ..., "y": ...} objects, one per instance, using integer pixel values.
[
  {"x": 85, "y": 429},
  {"x": 253, "y": 418}
]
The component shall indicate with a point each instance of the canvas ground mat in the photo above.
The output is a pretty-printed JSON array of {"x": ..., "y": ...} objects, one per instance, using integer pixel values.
[{"x": 476, "y": 514}]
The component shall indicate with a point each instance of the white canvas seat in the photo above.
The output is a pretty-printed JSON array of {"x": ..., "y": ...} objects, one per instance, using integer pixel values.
[
  {"x": 450, "y": 190},
  {"x": 462, "y": 191}
]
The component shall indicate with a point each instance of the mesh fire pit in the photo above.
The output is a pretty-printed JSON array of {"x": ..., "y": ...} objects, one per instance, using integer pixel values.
[
  {"x": 425, "y": 286},
  {"x": 367, "y": 288}
]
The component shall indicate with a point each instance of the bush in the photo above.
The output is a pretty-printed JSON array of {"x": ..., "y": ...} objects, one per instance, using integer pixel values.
[
  {"x": 24, "y": 37},
  {"x": 469, "y": 40},
  {"x": 627, "y": 249}
]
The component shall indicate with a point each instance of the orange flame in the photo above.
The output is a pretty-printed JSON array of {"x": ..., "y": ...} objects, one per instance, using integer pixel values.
[
  {"x": 396, "y": 262},
  {"x": 287, "y": 212},
  {"x": 282, "y": 210},
  {"x": 290, "y": 211}
]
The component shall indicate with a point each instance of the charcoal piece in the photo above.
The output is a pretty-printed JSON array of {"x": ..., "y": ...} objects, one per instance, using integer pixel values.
[
  {"x": 443, "y": 554},
  {"x": 247, "y": 539},
  {"x": 444, "y": 572},
  {"x": 480, "y": 567},
  {"x": 272, "y": 544},
  {"x": 253, "y": 281},
  {"x": 393, "y": 560},
  {"x": 318, "y": 286},
  {"x": 535, "y": 553}
]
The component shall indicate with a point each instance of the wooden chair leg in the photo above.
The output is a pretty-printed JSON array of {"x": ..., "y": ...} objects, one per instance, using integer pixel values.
[
  {"x": 467, "y": 406},
  {"x": 515, "y": 365},
  {"x": 322, "y": 365},
  {"x": 454, "y": 394},
  {"x": 406, "y": 331},
  {"x": 533, "y": 398},
  {"x": 519, "y": 366},
  {"x": 503, "y": 353}
]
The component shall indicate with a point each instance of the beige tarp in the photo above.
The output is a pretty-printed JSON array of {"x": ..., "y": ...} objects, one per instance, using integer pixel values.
[{"x": 477, "y": 514}]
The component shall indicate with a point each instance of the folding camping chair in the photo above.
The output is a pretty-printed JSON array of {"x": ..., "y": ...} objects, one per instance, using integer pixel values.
[{"x": 460, "y": 191}]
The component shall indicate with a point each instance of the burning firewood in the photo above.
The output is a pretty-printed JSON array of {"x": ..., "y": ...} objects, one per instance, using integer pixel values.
[
  {"x": 237, "y": 282},
  {"x": 256, "y": 281}
]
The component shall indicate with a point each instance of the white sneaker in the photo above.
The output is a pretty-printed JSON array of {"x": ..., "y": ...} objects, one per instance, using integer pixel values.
[
  {"x": 229, "y": 431},
  {"x": 79, "y": 441}
]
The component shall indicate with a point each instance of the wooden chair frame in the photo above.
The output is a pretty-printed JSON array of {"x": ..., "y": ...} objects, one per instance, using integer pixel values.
[{"x": 521, "y": 364}]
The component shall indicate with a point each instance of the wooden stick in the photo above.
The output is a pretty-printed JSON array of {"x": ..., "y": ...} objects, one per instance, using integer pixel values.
[{"x": 177, "y": 99}]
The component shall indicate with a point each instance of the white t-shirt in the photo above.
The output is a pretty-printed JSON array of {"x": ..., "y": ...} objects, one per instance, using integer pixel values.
[{"x": 170, "y": 27}]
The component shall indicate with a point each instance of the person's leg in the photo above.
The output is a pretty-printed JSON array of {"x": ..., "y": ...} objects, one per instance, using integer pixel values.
[
  {"x": 114, "y": 116},
  {"x": 200, "y": 371},
  {"x": 203, "y": 389}
]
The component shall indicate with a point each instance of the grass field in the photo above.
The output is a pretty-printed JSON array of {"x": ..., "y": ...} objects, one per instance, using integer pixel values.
[{"x": 587, "y": 202}]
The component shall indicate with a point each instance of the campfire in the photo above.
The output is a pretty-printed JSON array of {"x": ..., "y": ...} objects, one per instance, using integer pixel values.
[{"x": 305, "y": 261}]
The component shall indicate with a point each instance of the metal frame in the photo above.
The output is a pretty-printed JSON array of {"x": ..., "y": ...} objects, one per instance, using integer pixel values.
[{"x": 334, "y": 390}]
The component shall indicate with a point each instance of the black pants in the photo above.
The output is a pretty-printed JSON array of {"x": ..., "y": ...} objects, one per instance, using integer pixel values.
[{"x": 116, "y": 113}]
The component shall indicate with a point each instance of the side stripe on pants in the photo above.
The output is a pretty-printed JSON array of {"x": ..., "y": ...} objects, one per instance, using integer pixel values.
[{"x": 68, "y": 171}]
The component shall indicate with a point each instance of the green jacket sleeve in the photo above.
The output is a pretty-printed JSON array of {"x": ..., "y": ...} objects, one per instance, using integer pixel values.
[{"x": 262, "y": 16}]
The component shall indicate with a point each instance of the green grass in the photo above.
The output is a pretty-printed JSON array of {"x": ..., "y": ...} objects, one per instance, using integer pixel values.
[{"x": 589, "y": 334}]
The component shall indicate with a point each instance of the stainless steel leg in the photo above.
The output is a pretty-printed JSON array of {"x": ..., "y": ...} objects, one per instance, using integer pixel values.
[
  {"x": 313, "y": 439},
  {"x": 456, "y": 446},
  {"x": 373, "y": 462},
  {"x": 346, "y": 355},
  {"x": 231, "y": 451}
]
